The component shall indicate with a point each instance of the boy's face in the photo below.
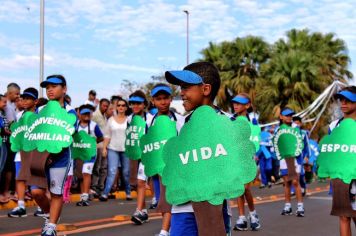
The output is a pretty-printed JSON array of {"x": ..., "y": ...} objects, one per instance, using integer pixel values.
[
  {"x": 55, "y": 91},
  {"x": 193, "y": 95},
  {"x": 13, "y": 94},
  {"x": 239, "y": 108},
  {"x": 85, "y": 117},
  {"x": 162, "y": 102},
  {"x": 28, "y": 103},
  {"x": 2, "y": 103},
  {"x": 347, "y": 107},
  {"x": 286, "y": 119},
  {"x": 137, "y": 107}
]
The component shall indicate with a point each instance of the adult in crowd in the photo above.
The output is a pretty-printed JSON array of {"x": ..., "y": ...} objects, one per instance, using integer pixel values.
[
  {"x": 114, "y": 149},
  {"x": 92, "y": 100},
  {"x": 100, "y": 167}
]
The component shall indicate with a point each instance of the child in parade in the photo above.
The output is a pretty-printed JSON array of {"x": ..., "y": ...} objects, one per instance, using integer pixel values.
[
  {"x": 161, "y": 98},
  {"x": 138, "y": 102},
  {"x": 30, "y": 99},
  {"x": 343, "y": 195},
  {"x": 290, "y": 174},
  {"x": 86, "y": 167},
  {"x": 199, "y": 83},
  {"x": 56, "y": 88},
  {"x": 241, "y": 104}
]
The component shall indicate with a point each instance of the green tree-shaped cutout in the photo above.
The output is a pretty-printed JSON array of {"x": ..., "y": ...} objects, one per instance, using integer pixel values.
[
  {"x": 18, "y": 129},
  {"x": 84, "y": 146},
  {"x": 134, "y": 133},
  {"x": 337, "y": 157},
  {"x": 210, "y": 160},
  {"x": 51, "y": 130},
  {"x": 255, "y": 132},
  {"x": 153, "y": 142},
  {"x": 288, "y": 142}
]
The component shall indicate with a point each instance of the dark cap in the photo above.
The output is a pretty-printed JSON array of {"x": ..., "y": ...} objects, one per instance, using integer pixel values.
[{"x": 30, "y": 92}]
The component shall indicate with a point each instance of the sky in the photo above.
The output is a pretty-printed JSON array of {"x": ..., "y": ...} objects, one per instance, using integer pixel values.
[{"x": 96, "y": 44}]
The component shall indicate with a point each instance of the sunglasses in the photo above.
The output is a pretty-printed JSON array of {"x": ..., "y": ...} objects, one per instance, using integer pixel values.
[{"x": 121, "y": 105}]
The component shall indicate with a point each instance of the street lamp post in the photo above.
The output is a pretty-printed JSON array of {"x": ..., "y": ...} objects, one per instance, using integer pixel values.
[
  {"x": 41, "y": 44},
  {"x": 187, "y": 13}
]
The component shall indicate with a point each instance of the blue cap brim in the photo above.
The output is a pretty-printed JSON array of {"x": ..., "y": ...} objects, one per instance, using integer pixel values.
[
  {"x": 158, "y": 89},
  {"x": 346, "y": 94},
  {"x": 136, "y": 99},
  {"x": 27, "y": 94},
  {"x": 51, "y": 81},
  {"x": 84, "y": 111},
  {"x": 179, "y": 77},
  {"x": 241, "y": 100},
  {"x": 287, "y": 112}
]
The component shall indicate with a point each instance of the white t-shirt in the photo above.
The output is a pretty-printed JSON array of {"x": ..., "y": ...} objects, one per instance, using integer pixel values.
[{"x": 116, "y": 132}]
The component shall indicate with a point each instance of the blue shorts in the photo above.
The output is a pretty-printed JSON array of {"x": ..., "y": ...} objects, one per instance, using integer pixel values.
[
  {"x": 183, "y": 224},
  {"x": 284, "y": 172}
]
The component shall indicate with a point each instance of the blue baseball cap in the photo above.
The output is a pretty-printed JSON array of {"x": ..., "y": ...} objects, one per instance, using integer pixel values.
[
  {"x": 178, "y": 77},
  {"x": 85, "y": 111},
  {"x": 136, "y": 99},
  {"x": 240, "y": 99},
  {"x": 30, "y": 92},
  {"x": 346, "y": 94},
  {"x": 53, "y": 80},
  {"x": 161, "y": 88},
  {"x": 287, "y": 112}
]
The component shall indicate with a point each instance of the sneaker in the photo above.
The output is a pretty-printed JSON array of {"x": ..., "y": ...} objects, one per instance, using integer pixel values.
[
  {"x": 154, "y": 203},
  {"x": 139, "y": 217},
  {"x": 17, "y": 212},
  {"x": 128, "y": 197},
  {"x": 254, "y": 222},
  {"x": 49, "y": 230},
  {"x": 262, "y": 186},
  {"x": 103, "y": 198},
  {"x": 287, "y": 211},
  {"x": 83, "y": 203},
  {"x": 241, "y": 224},
  {"x": 300, "y": 212},
  {"x": 40, "y": 213}
]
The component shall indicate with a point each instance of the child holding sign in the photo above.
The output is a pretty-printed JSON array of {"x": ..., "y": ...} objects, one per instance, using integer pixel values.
[
  {"x": 30, "y": 99},
  {"x": 161, "y": 98},
  {"x": 344, "y": 194},
  {"x": 241, "y": 104},
  {"x": 85, "y": 168},
  {"x": 290, "y": 171},
  {"x": 58, "y": 166},
  {"x": 138, "y": 102},
  {"x": 199, "y": 83}
]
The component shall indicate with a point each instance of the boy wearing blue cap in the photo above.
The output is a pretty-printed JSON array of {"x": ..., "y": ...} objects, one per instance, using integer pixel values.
[
  {"x": 344, "y": 195},
  {"x": 56, "y": 88},
  {"x": 241, "y": 104},
  {"x": 138, "y": 103},
  {"x": 84, "y": 169},
  {"x": 290, "y": 170},
  {"x": 30, "y": 99},
  {"x": 199, "y": 83},
  {"x": 161, "y": 98}
]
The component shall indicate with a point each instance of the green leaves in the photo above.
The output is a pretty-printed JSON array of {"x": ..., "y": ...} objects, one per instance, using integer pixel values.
[
  {"x": 133, "y": 134},
  {"x": 210, "y": 160},
  {"x": 51, "y": 130},
  {"x": 84, "y": 146},
  {"x": 288, "y": 142},
  {"x": 153, "y": 142},
  {"x": 337, "y": 157}
]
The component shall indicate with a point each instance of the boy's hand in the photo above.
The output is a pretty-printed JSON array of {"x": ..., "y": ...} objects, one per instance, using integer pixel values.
[{"x": 104, "y": 153}]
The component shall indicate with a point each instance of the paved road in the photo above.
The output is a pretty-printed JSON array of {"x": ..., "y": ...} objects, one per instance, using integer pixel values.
[{"x": 98, "y": 218}]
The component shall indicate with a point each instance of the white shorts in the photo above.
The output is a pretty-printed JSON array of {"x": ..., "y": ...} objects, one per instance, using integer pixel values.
[
  {"x": 283, "y": 165},
  {"x": 141, "y": 172},
  {"x": 88, "y": 168},
  {"x": 57, "y": 179},
  {"x": 70, "y": 173}
]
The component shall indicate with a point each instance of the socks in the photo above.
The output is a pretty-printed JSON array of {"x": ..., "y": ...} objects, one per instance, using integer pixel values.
[
  {"x": 163, "y": 232},
  {"x": 144, "y": 211},
  {"x": 253, "y": 213},
  {"x": 21, "y": 204},
  {"x": 287, "y": 205},
  {"x": 300, "y": 205},
  {"x": 84, "y": 196}
]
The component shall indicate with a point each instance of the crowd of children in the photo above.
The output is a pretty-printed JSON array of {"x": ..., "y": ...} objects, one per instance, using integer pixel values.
[{"x": 107, "y": 121}]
